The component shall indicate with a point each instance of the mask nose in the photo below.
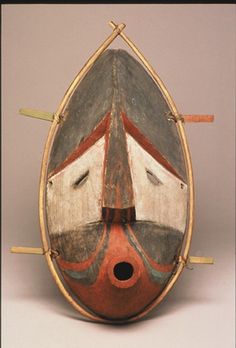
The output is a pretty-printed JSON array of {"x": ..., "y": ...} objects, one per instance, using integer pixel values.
[{"x": 118, "y": 197}]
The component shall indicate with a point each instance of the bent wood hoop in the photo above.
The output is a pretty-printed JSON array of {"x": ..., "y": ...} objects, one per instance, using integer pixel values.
[{"x": 117, "y": 30}]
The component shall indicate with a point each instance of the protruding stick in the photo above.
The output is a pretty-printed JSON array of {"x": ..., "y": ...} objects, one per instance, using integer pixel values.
[
  {"x": 25, "y": 250},
  {"x": 201, "y": 259},
  {"x": 198, "y": 118},
  {"x": 43, "y": 115},
  {"x": 196, "y": 259}
]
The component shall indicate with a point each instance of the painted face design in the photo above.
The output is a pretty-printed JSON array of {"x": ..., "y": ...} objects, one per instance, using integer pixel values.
[{"x": 116, "y": 191}]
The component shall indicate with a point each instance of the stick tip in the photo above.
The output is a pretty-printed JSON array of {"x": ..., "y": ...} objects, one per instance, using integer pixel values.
[
  {"x": 112, "y": 24},
  {"x": 117, "y": 26}
]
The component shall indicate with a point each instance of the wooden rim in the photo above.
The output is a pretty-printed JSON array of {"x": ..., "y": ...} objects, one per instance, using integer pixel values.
[{"x": 188, "y": 234}]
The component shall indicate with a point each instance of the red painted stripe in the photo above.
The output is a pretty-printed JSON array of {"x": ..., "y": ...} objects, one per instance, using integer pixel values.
[
  {"x": 81, "y": 266},
  {"x": 98, "y": 132},
  {"x": 157, "y": 266},
  {"x": 145, "y": 143}
]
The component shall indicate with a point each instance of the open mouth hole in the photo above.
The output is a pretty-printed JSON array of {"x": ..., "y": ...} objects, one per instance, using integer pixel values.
[{"x": 123, "y": 270}]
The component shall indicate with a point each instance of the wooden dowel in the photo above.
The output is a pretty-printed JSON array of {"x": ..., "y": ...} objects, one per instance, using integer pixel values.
[
  {"x": 201, "y": 260},
  {"x": 43, "y": 115},
  {"x": 198, "y": 118},
  {"x": 26, "y": 250}
]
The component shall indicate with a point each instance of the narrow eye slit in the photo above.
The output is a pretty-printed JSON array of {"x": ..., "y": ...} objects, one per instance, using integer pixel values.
[
  {"x": 153, "y": 178},
  {"x": 82, "y": 179}
]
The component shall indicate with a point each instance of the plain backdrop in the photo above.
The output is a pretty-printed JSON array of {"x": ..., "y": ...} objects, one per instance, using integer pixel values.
[{"x": 192, "y": 48}]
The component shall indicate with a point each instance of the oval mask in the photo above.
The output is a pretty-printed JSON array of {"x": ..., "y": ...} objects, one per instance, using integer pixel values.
[{"x": 117, "y": 193}]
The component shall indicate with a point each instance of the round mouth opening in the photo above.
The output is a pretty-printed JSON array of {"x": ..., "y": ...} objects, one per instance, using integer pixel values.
[{"x": 123, "y": 271}]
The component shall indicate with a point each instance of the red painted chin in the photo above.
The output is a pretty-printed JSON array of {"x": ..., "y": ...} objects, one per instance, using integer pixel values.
[{"x": 123, "y": 287}]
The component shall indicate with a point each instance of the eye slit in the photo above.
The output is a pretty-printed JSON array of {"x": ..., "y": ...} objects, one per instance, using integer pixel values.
[
  {"x": 153, "y": 178},
  {"x": 82, "y": 179}
]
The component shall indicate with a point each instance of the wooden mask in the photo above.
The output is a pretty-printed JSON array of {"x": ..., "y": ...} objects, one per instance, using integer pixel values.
[{"x": 116, "y": 192}]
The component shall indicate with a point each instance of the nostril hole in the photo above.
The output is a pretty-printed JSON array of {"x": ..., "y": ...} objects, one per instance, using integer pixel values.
[{"x": 123, "y": 270}]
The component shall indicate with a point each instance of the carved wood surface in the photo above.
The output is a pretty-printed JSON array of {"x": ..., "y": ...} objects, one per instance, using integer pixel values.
[{"x": 117, "y": 188}]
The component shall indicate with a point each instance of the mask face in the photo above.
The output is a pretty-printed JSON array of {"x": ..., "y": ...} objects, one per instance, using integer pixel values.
[{"x": 117, "y": 195}]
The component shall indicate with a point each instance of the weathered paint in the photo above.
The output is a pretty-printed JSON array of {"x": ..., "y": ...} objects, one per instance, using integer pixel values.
[
  {"x": 69, "y": 204},
  {"x": 156, "y": 202},
  {"x": 108, "y": 296},
  {"x": 116, "y": 198},
  {"x": 141, "y": 100}
]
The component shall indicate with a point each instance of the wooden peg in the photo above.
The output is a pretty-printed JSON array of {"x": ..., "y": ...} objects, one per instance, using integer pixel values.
[
  {"x": 196, "y": 259},
  {"x": 43, "y": 115},
  {"x": 198, "y": 118},
  {"x": 26, "y": 250},
  {"x": 201, "y": 260}
]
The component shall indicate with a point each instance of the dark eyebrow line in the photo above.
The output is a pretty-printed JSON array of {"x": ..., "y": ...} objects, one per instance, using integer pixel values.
[
  {"x": 153, "y": 178},
  {"x": 81, "y": 179}
]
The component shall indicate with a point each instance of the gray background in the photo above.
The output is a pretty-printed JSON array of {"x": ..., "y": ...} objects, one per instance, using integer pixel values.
[{"x": 192, "y": 48}]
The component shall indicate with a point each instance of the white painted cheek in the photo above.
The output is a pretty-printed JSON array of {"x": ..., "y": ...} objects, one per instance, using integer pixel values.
[
  {"x": 164, "y": 203},
  {"x": 69, "y": 206}
]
